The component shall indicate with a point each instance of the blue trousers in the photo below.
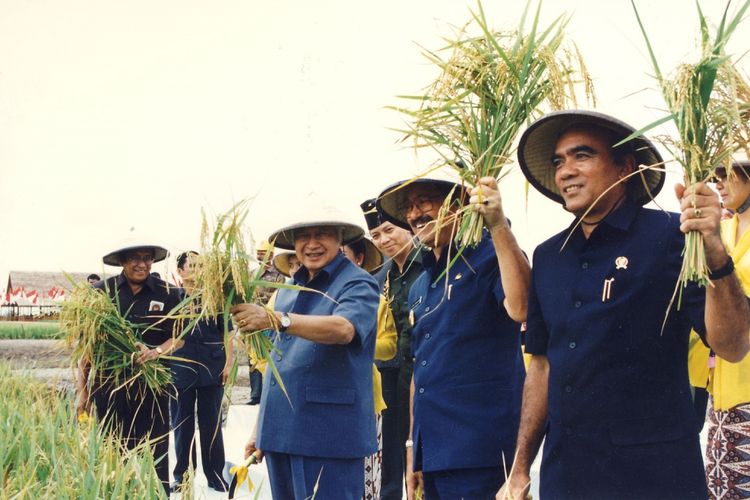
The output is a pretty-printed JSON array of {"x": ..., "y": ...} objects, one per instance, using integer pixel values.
[
  {"x": 467, "y": 484},
  {"x": 183, "y": 409},
  {"x": 295, "y": 477}
]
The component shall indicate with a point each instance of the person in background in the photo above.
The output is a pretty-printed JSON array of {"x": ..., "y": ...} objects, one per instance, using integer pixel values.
[
  {"x": 199, "y": 378},
  {"x": 365, "y": 254},
  {"x": 727, "y": 464},
  {"x": 134, "y": 412},
  {"x": 93, "y": 279},
  {"x": 401, "y": 269},
  {"x": 264, "y": 255},
  {"x": 287, "y": 264}
]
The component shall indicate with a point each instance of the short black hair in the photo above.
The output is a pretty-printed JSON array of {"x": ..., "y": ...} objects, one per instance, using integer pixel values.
[
  {"x": 358, "y": 247},
  {"x": 93, "y": 277},
  {"x": 183, "y": 257}
]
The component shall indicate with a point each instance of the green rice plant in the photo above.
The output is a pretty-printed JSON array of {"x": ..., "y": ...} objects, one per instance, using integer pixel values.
[
  {"x": 224, "y": 278},
  {"x": 30, "y": 330},
  {"x": 489, "y": 87},
  {"x": 703, "y": 102},
  {"x": 45, "y": 452},
  {"x": 100, "y": 335}
]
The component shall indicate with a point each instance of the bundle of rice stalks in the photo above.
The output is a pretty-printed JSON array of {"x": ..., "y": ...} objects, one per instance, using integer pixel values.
[
  {"x": 223, "y": 278},
  {"x": 702, "y": 100},
  {"x": 489, "y": 87},
  {"x": 46, "y": 453},
  {"x": 97, "y": 333}
]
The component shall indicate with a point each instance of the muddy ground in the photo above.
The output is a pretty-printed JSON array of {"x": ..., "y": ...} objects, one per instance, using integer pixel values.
[{"x": 50, "y": 360}]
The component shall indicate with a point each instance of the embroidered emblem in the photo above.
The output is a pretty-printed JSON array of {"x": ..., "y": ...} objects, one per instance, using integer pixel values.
[
  {"x": 458, "y": 276},
  {"x": 607, "y": 289},
  {"x": 621, "y": 263},
  {"x": 155, "y": 305}
]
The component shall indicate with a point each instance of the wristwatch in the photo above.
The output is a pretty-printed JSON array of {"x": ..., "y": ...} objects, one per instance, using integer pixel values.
[
  {"x": 159, "y": 350},
  {"x": 285, "y": 321}
]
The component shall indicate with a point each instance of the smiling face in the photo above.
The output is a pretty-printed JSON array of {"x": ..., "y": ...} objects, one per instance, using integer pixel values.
[
  {"x": 316, "y": 246},
  {"x": 136, "y": 264},
  {"x": 391, "y": 240},
  {"x": 734, "y": 189},
  {"x": 421, "y": 207},
  {"x": 585, "y": 169}
]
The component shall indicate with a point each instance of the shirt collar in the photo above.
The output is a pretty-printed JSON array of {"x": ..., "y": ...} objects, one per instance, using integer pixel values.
[
  {"x": 428, "y": 256},
  {"x": 619, "y": 220}
]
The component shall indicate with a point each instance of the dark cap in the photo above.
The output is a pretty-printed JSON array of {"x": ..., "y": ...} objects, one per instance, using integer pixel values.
[{"x": 373, "y": 217}]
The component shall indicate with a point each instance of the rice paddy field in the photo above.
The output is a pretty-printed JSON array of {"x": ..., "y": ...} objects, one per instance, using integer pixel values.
[
  {"x": 16, "y": 330},
  {"x": 45, "y": 452}
]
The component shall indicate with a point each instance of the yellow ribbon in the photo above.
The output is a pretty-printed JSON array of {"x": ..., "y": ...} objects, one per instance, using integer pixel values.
[{"x": 241, "y": 472}]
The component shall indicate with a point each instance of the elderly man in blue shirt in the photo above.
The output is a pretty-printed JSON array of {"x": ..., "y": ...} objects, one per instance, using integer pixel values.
[
  {"x": 315, "y": 436},
  {"x": 607, "y": 386},
  {"x": 466, "y": 340}
]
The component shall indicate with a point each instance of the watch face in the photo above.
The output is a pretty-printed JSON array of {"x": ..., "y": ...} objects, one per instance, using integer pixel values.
[{"x": 285, "y": 321}]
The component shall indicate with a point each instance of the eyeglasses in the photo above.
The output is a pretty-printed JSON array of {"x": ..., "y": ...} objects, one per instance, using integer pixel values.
[
  {"x": 421, "y": 203},
  {"x": 134, "y": 259}
]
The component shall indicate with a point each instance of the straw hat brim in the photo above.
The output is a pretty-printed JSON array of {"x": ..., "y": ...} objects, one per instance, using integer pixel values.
[
  {"x": 373, "y": 258},
  {"x": 284, "y": 237},
  {"x": 394, "y": 196},
  {"x": 537, "y": 145},
  {"x": 113, "y": 257},
  {"x": 281, "y": 263}
]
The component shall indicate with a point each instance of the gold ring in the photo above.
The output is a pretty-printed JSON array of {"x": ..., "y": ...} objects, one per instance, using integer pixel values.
[{"x": 698, "y": 213}]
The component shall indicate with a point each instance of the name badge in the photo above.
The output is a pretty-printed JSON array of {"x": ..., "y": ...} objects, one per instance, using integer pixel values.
[{"x": 155, "y": 305}]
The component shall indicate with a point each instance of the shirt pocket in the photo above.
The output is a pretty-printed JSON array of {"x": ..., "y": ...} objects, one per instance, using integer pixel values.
[{"x": 330, "y": 395}]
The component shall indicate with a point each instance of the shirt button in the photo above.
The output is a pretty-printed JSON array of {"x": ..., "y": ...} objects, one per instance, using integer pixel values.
[
  {"x": 427, "y": 335},
  {"x": 572, "y": 345},
  {"x": 568, "y": 388},
  {"x": 424, "y": 363},
  {"x": 585, "y": 265},
  {"x": 403, "y": 283},
  {"x": 577, "y": 304},
  {"x": 273, "y": 382},
  {"x": 278, "y": 357},
  {"x": 434, "y": 285},
  {"x": 421, "y": 390},
  {"x": 427, "y": 309}
]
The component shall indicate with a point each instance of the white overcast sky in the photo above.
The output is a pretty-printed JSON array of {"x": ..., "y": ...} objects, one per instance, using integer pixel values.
[{"x": 119, "y": 115}]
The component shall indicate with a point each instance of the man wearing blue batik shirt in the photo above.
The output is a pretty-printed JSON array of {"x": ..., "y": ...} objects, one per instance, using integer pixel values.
[
  {"x": 607, "y": 385},
  {"x": 466, "y": 340},
  {"x": 315, "y": 436}
]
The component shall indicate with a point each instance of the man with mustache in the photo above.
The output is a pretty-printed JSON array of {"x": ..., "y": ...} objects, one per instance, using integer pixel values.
[
  {"x": 607, "y": 386},
  {"x": 466, "y": 341}
]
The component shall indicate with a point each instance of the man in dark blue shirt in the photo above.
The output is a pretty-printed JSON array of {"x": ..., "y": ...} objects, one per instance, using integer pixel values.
[
  {"x": 133, "y": 411},
  {"x": 607, "y": 385},
  {"x": 466, "y": 340},
  {"x": 316, "y": 434},
  {"x": 199, "y": 376}
]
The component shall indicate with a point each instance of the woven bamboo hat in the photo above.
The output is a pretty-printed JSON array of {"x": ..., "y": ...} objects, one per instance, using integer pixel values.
[
  {"x": 394, "y": 197},
  {"x": 314, "y": 212},
  {"x": 373, "y": 258},
  {"x": 134, "y": 243},
  {"x": 537, "y": 145},
  {"x": 281, "y": 262}
]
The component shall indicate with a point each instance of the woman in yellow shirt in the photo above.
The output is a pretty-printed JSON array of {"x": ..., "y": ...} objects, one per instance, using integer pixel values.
[{"x": 727, "y": 462}]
